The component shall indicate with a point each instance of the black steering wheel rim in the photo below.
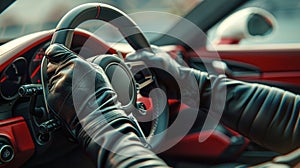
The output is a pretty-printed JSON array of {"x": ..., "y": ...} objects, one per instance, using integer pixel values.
[
  {"x": 128, "y": 28},
  {"x": 98, "y": 11}
]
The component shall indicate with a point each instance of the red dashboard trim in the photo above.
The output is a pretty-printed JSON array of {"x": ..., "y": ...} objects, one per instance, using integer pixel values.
[
  {"x": 5, "y": 64},
  {"x": 16, "y": 130},
  {"x": 44, "y": 37}
]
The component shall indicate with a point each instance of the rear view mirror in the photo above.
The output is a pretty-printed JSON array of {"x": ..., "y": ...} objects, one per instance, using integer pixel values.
[{"x": 247, "y": 23}]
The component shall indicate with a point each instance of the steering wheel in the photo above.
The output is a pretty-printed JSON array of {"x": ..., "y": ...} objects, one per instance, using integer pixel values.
[{"x": 112, "y": 65}]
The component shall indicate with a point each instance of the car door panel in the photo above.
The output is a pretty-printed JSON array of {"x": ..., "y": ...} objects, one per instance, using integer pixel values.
[{"x": 276, "y": 67}]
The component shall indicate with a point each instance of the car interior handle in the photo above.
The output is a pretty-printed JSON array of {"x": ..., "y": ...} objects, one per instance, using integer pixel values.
[{"x": 235, "y": 69}]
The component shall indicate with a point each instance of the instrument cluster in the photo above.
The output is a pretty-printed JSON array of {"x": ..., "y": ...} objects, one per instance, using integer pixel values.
[{"x": 23, "y": 70}]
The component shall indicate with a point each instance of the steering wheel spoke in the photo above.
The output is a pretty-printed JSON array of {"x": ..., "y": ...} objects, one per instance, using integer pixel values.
[
  {"x": 142, "y": 74},
  {"x": 148, "y": 80}
]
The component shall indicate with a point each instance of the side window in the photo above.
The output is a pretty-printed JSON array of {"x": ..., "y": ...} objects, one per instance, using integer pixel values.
[{"x": 259, "y": 22}]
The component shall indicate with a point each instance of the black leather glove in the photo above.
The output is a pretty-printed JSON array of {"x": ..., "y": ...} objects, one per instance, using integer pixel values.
[
  {"x": 78, "y": 89},
  {"x": 180, "y": 81},
  {"x": 268, "y": 116},
  {"x": 81, "y": 96}
]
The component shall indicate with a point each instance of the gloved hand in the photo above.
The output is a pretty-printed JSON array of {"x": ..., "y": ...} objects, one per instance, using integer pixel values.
[
  {"x": 180, "y": 81},
  {"x": 83, "y": 99},
  {"x": 78, "y": 90}
]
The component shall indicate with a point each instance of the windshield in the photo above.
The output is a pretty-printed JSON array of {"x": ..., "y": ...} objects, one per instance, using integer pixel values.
[{"x": 28, "y": 16}]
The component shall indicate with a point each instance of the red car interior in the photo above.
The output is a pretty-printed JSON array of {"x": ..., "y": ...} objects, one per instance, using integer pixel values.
[
  {"x": 221, "y": 140},
  {"x": 15, "y": 135},
  {"x": 275, "y": 65}
]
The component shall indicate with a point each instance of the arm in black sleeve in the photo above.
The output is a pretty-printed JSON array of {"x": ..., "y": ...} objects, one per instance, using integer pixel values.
[
  {"x": 119, "y": 146},
  {"x": 116, "y": 143},
  {"x": 268, "y": 116}
]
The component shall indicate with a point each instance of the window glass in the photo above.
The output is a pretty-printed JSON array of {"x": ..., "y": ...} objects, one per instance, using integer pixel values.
[
  {"x": 28, "y": 16},
  {"x": 287, "y": 22}
]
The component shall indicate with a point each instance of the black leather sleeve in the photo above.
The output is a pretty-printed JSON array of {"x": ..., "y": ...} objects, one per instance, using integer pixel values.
[
  {"x": 268, "y": 116},
  {"x": 118, "y": 147},
  {"x": 116, "y": 143}
]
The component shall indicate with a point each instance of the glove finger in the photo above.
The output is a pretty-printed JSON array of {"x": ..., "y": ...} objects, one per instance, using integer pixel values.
[{"x": 57, "y": 53}]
